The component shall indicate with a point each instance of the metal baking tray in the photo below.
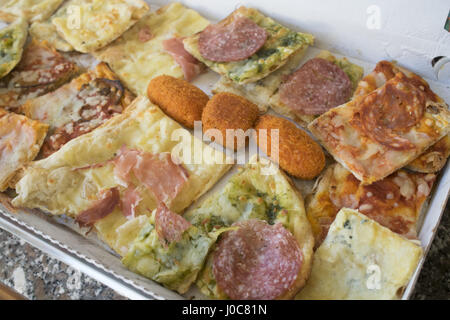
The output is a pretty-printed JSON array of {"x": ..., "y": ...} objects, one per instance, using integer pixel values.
[{"x": 60, "y": 238}]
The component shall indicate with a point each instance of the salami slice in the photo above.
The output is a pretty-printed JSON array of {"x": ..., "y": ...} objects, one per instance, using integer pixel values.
[
  {"x": 316, "y": 87},
  {"x": 256, "y": 261},
  {"x": 234, "y": 41},
  {"x": 169, "y": 225}
]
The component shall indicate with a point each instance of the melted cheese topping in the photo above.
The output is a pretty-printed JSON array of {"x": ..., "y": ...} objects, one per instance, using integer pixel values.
[
  {"x": 91, "y": 25},
  {"x": 32, "y": 10},
  {"x": 68, "y": 180},
  {"x": 129, "y": 56},
  {"x": 360, "y": 259}
]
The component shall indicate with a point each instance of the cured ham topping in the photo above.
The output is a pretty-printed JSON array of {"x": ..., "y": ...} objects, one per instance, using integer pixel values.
[
  {"x": 233, "y": 41},
  {"x": 129, "y": 201},
  {"x": 256, "y": 261},
  {"x": 169, "y": 225},
  {"x": 191, "y": 66},
  {"x": 388, "y": 113},
  {"x": 316, "y": 87},
  {"x": 101, "y": 101},
  {"x": 145, "y": 34},
  {"x": 156, "y": 171},
  {"x": 108, "y": 200}
]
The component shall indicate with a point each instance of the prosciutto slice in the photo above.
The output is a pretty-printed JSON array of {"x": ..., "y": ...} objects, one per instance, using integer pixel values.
[
  {"x": 169, "y": 225},
  {"x": 191, "y": 66},
  {"x": 107, "y": 201}
]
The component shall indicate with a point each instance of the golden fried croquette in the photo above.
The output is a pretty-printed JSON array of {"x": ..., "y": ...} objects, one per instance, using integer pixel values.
[
  {"x": 299, "y": 154},
  {"x": 178, "y": 98},
  {"x": 229, "y": 111}
]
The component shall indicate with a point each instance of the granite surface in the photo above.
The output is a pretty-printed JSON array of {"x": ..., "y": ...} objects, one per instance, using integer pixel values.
[{"x": 37, "y": 276}]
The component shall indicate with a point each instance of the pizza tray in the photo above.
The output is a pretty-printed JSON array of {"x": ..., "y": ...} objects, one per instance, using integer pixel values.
[{"x": 60, "y": 238}]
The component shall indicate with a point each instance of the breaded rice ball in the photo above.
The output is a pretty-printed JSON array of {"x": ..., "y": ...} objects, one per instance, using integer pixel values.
[
  {"x": 299, "y": 154},
  {"x": 229, "y": 111},
  {"x": 178, "y": 98}
]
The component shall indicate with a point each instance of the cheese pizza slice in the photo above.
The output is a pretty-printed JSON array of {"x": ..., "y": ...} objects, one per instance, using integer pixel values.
[
  {"x": 31, "y": 10},
  {"x": 267, "y": 217},
  {"x": 246, "y": 46},
  {"x": 42, "y": 69},
  {"x": 78, "y": 107},
  {"x": 376, "y": 134},
  {"x": 139, "y": 54},
  {"x": 396, "y": 202},
  {"x": 20, "y": 141},
  {"x": 361, "y": 260},
  {"x": 434, "y": 158},
  {"x": 120, "y": 171},
  {"x": 89, "y": 25}
]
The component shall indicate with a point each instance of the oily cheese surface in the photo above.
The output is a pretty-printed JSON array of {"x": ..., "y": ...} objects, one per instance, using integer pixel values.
[
  {"x": 129, "y": 56},
  {"x": 279, "y": 46},
  {"x": 360, "y": 259},
  {"x": 32, "y": 10},
  {"x": 66, "y": 181},
  {"x": 259, "y": 191},
  {"x": 89, "y": 25}
]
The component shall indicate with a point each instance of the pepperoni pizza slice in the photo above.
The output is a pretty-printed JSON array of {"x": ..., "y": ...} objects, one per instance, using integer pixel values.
[
  {"x": 268, "y": 252},
  {"x": 41, "y": 70},
  {"x": 20, "y": 141},
  {"x": 112, "y": 178},
  {"x": 374, "y": 135},
  {"x": 396, "y": 202},
  {"x": 246, "y": 46},
  {"x": 78, "y": 107},
  {"x": 434, "y": 158}
]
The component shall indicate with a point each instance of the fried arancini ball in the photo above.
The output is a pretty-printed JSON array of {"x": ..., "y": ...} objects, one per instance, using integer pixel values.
[
  {"x": 229, "y": 111},
  {"x": 299, "y": 154},
  {"x": 179, "y": 99}
]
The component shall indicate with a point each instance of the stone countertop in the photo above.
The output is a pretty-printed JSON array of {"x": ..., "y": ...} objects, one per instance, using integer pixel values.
[{"x": 37, "y": 276}]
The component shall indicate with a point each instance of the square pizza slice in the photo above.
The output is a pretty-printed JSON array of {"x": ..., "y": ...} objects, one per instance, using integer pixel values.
[
  {"x": 374, "y": 135},
  {"x": 20, "y": 141},
  {"x": 89, "y": 25},
  {"x": 41, "y": 70},
  {"x": 78, "y": 107},
  {"x": 435, "y": 157},
  {"x": 246, "y": 46},
  {"x": 139, "y": 54},
  {"x": 396, "y": 202},
  {"x": 31, "y": 10},
  {"x": 112, "y": 178}
]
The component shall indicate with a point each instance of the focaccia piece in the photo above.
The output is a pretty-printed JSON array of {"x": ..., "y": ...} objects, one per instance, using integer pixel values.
[
  {"x": 434, "y": 158},
  {"x": 31, "y": 10},
  {"x": 260, "y": 191},
  {"x": 12, "y": 41},
  {"x": 79, "y": 106},
  {"x": 259, "y": 92},
  {"x": 42, "y": 69},
  {"x": 70, "y": 180},
  {"x": 376, "y": 134},
  {"x": 137, "y": 60},
  {"x": 281, "y": 43},
  {"x": 353, "y": 71},
  {"x": 396, "y": 202},
  {"x": 20, "y": 141},
  {"x": 361, "y": 260},
  {"x": 99, "y": 22}
]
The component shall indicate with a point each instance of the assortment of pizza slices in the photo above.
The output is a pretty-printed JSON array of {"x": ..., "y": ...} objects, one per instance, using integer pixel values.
[{"x": 95, "y": 144}]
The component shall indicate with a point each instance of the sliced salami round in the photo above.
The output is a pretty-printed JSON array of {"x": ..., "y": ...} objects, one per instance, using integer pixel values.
[
  {"x": 234, "y": 41},
  {"x": 316, "y": 87},
  {"x": 256, "y": 261}
]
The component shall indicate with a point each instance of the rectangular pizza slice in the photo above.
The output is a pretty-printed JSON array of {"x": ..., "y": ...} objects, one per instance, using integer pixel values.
[
  {"x": 139, "y": 55},
  {"x": 273, "y": 42},
  {"x": 361, "y": 260},
  {"x": 396, "y": 202},
  {"x": 78, "y": 107},
  {"x": 435, "y": 157},
  {"x": 31, "y": 10},
  {"x": 89, "y": 25},
  {"x": 113, "y": 175},
  {"x": 41, "y": 70},
  {"x": 374, "y": 135},
  {"x": 20, "y": 141}
]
